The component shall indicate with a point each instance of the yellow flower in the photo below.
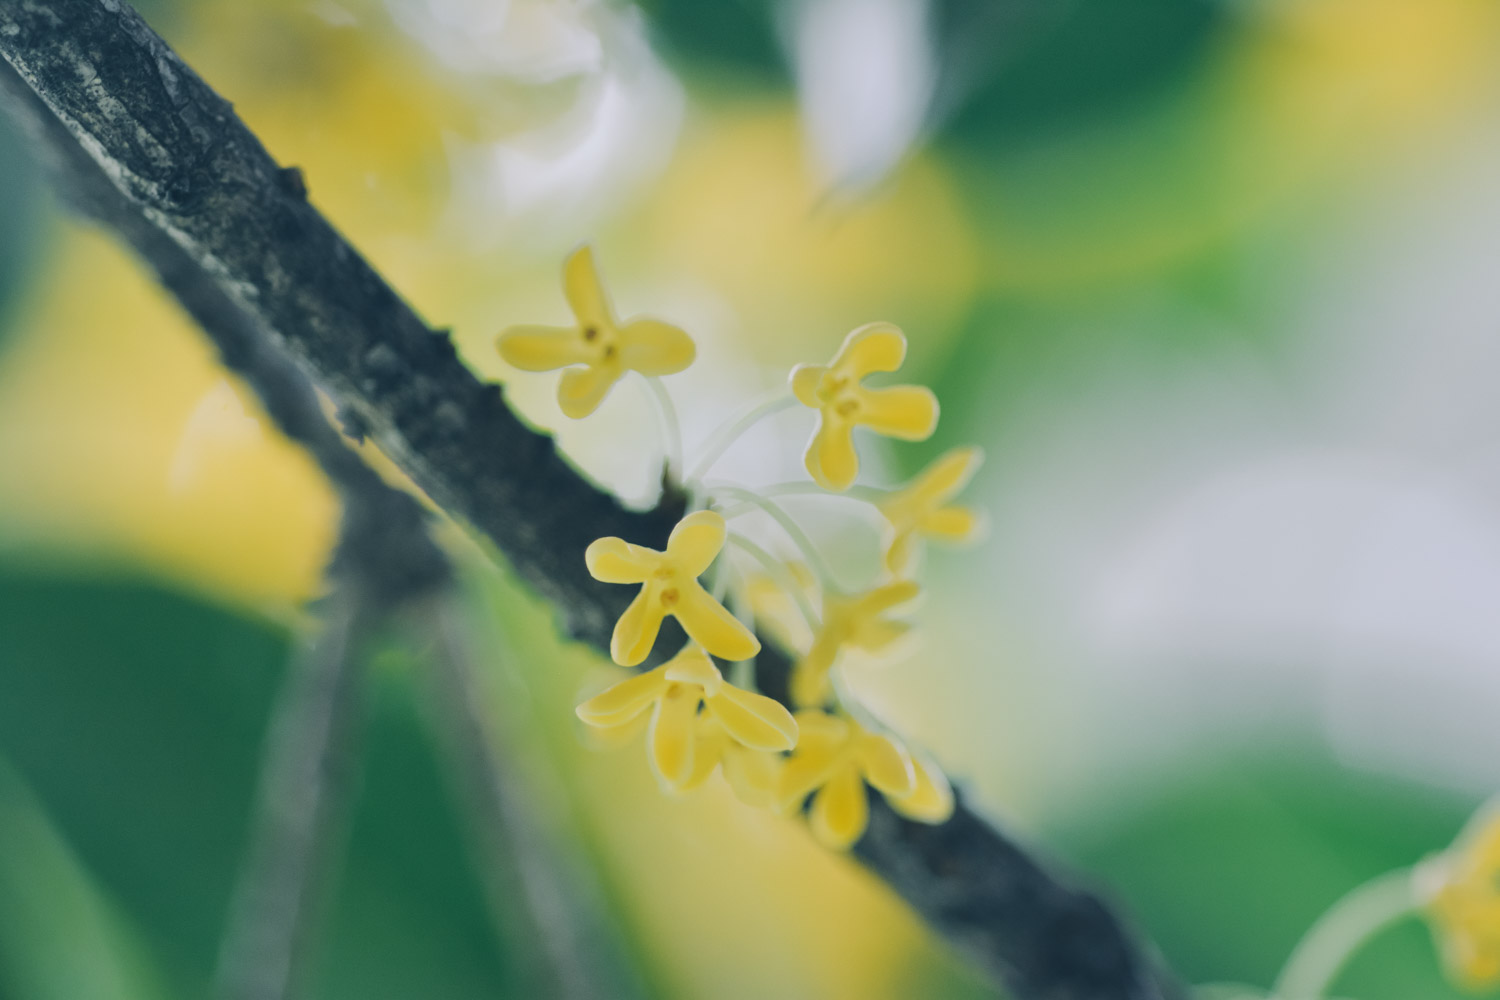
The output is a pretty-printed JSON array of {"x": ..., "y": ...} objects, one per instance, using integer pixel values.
[
  {"x": 834, "y": 758},
  {"x": 776, "y": 611},
  {"x": 857, "y": 621},
  {"x": 752, "y": 774},
  {"x": 1464, "y": 902},
  {"x": 908, "y": 412},
  {"x": 604, "y": 348},
  {"x": 674, "y": 691},
  {"x": 671, "y": 587},
  {"x": 921, "y": 509}
]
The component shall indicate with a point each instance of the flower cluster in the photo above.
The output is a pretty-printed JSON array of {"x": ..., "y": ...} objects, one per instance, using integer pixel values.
[{"x": 699, "y": 723}]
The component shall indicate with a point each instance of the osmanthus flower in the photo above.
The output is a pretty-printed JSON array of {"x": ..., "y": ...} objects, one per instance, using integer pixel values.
[
  {"x": 843, "y": 402},
  {"x": 752, "y": 774},
  {"x": 834, "y": 758},
  {"x": 1462, "y": 889},
  {"x": 674, "y": 693},
  {"x": 858, "y": 621},
  {"x": 922, "y": 508},
  {"x": 599, "y": 350},
  {"x": 670, "y": 587}
]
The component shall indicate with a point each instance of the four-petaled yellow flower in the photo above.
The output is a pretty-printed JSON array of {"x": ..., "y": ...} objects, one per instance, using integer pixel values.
[
  {"x": 606, "y": 349},
  {"x": 750, "y": 773},
  {"x": 1464, "y": 902},
  {"x": 674, "y": 692},
  {"x": 921, "y": 509},
  {"x": 670, "y": 587},
  {"x": 834, "y": 758},
  {"x": 908, "y": 412},
  {"x": 857, "y": 621}
]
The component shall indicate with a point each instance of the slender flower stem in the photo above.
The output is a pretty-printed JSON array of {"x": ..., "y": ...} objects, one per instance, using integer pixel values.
[
  {"x": 1329, "y": 944},
  {"x": 671, "y": 427},
  {"x": 793, "y": 530},
  {"x": 798, "y": 487},
  {"x": 778, "y": 572},
  {"x": 728, "y": 433}
]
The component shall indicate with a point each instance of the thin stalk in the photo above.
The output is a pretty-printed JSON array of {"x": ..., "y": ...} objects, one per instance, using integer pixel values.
[
  {"x": 801, "y": 487},
  {"x": 729, "y": 432},
  {"x": 1329, "y": 944},
  {"x": 305, "y": 786},
  {"x": 793, "y": 531},
  {"x": 778, "y": 572},
  {"x": 671, "y": 427}
]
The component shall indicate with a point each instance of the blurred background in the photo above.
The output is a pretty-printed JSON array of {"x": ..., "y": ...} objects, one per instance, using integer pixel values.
[{"x": 1213, "y": 282}]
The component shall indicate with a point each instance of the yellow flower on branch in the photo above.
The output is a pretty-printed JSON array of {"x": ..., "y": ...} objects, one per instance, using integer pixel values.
[
  {"x": 674, "y": 693},
  {"x": 751, "y": 773},
  {"x": 858, "y": 621},
  {"x": 1463, "y": 904},
  {"x": 834, "y": 758},
  {"x": 835, "y": 390},
  {"x": 670, "y": 587},
  {"x": 921, "y": 509},
  {"x": 605, "y": 349}
]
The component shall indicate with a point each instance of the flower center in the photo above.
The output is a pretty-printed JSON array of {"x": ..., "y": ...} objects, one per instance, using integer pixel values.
[
  {"x": 669, "y": 597},
  {"x": 604, "y": 340},
  {"x": 839, "y": 393}
]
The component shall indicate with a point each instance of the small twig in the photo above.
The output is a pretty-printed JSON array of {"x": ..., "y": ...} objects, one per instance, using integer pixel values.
[
  {"x": 306, "y": 785},
  {"x": 574, "y": 948}
]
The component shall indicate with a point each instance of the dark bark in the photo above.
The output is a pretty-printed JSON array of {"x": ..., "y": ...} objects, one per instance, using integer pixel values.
[{"x": 146, "y": 147}]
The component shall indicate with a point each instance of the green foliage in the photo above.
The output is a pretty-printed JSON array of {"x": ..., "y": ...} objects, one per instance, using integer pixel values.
[{"x": 132, "y": 718}]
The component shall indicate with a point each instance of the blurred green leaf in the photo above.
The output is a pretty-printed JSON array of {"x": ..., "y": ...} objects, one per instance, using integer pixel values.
[
  {"x": 1229, "y": 866},
  {"x": 1016, "y": 70},
  {"x": 136, "y": 716},
  {"x": 60, "y": 938}
]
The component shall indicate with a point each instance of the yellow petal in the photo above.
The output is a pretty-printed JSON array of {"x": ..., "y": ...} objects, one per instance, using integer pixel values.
[
  {"x": 830, "y": 458},
  {"x": 624, "y": 701},
  {"x": 541, "y": 348},
  {"x": 875, "y": 635},
  {"x": 903, "y": 551},
  {"x": 752, "y": 775},
  {"x": 886, "y": 764},
  {"x": 754, "y": 720},
  {"x": 908, "y": 412},
  {"x": 708, "y": 750},
  {"x": 804, "y": 381},
  {"x": 584, "y": 291},
  {"x": 817, "y": 756},
  {"x": 875, "y": 347},
  {"x": 635, "y": 632},
  {"x": 820, "y": 731},
  {"x": 840, "y": 812},
  {"x": 652, "y": 347},
  {"x": 953, "y": 524},
  {"x": 710, "y": 625},
  {"x": 581, "y": 390},
  {"x": 692, "y": 666},
  {"x": 887, "y": 596},
  {"x": 696, "y": 542},
  {"x": 947, "y": 475},
  {"x": 615, "y": 737},
  {"x": 672, "y": 734},
  {"x": 931, "y": 800},
  {"x": 614, "y": 560}
]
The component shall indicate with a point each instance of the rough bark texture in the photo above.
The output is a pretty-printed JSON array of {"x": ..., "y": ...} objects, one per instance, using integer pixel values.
[{"x": 142, "y": 144}]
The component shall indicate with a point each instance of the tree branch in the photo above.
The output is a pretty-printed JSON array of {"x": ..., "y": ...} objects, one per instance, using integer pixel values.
[{"x": 181, "y": 179}]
